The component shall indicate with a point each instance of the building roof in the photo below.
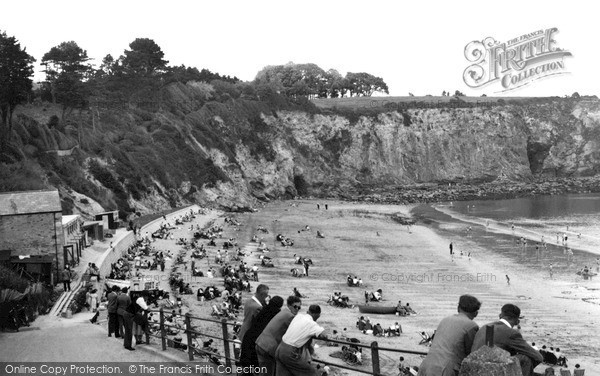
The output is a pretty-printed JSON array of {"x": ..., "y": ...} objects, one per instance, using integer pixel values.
[
  {"x": 29, "y": 202},
  {"x": 66, "y": 219},
  {"x": 92, "y": 223}
]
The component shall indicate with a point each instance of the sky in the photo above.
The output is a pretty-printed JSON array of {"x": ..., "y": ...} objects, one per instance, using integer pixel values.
[{"x": 416, "y": 47}]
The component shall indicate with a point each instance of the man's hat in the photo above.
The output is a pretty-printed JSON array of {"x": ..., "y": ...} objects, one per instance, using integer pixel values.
[{"x": 511, "y": 310}]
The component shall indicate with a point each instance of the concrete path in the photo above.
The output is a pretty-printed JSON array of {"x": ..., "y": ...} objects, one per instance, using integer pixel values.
[{"x": 75, "y": 340}]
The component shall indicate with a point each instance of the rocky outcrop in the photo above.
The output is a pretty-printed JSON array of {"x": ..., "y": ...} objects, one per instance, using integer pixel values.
[
  {"x": 241, "y": 151},
  {"x": 516, "y": 142},
  {"x": 490, "y": 361}
]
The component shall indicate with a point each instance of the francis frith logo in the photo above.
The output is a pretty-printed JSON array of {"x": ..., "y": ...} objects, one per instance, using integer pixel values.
[{"x": 515, "y": 63}]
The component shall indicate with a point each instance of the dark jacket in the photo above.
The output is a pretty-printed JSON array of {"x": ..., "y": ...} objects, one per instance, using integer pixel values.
[
  {"x": 111, "y": 307},
  {"x": 270, "y": 337},
  {"x": 260, "y": 322},
  {"x": 123, "y": 304},
  {"x": 508, "y": 339}
]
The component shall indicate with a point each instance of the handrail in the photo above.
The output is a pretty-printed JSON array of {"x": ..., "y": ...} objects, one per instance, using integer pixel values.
[
  {"x": 369, "y": 346},
  {"x": 193, "y": 350},
  {"x": 196, "y": 317}
]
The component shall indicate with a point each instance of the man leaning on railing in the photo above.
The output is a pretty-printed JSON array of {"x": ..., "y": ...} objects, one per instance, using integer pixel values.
[{"x": 294, "y": 353}]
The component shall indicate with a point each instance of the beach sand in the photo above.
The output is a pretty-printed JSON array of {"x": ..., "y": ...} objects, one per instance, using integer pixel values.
[{"x": 415, "y": 267}]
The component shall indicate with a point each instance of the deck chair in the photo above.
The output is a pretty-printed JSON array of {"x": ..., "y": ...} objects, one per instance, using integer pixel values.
[
  {"x": 578, "y": 372},
  {"x": 565, "y": 372}
]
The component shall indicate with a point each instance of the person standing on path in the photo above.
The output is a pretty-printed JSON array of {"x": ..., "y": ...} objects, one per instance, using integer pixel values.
[
  {"x": 66, "y": 279},
  {"x": 111, "y": 308},
  {"x": 125, "y": 318}
]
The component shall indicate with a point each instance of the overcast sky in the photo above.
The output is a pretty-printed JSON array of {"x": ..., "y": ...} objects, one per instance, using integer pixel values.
[{"x": 415, "y": 46}]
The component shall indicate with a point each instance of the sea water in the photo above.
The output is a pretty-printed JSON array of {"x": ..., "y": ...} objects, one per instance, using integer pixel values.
[{"x": 499, "y": 226}]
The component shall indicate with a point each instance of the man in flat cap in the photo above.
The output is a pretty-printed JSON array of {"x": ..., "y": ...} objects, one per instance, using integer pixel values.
[
  {"x": 510, "y": 339},
  {"x": 453, "y": 340}
]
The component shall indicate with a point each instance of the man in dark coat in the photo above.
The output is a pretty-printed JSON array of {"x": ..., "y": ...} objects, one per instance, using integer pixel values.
[
  {"x": 251, "y": 308},
  {"x": 269, "y": 339},
  {"x": 510, "y": 339},
  {"x": 453, "y": 340},
  {"x": 125, "y": 318},
  {"x": 113, "y": 318}
]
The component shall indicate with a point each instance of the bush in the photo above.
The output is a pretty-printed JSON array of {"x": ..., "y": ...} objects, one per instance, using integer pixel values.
[{"x": 53, "y": 121}]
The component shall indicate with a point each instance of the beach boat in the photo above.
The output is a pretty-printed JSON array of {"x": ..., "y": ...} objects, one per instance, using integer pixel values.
[{"x": 376, "y": 309}]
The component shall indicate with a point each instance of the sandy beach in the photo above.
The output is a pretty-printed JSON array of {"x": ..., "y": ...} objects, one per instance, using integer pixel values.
[{"x": 415, "y": 267}]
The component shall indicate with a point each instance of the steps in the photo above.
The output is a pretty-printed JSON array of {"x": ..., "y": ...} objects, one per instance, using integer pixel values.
[{"x": 63, "y": 302}]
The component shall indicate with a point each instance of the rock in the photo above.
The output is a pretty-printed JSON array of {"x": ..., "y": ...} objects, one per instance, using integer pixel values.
[{"x": 490, "y": 361}]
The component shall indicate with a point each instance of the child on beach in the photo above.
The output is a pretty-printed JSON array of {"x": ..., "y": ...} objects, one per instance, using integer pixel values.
[{"x": 507, "y": 280}]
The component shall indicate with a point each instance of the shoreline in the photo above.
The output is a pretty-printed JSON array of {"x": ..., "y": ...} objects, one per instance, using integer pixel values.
[{"x": 465, "y": 191}]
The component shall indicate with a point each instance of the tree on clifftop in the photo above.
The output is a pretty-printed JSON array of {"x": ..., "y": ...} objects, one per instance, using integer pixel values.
[
  {"x": 66, "y": 70},
  {"x": 365, "y": 84},
  {"x": 16, "y": 68},
  {"x": 145, "y": 58}
]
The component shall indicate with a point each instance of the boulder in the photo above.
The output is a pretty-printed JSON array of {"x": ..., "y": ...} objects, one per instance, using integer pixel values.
[{"x": 490, "y": 361}]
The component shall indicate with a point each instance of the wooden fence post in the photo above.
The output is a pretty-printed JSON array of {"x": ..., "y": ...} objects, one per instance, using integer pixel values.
[
  {"x": 226, "y": 343},
  {"x": 163, "y": 335},
  {"x": 188, "y": 331},
  {"x": 489, "y": 336},
  {"x": 375, "y": 358}
]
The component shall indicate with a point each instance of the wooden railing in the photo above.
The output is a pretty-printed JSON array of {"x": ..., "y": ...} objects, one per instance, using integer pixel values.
[{"x": 190, "y": 332}]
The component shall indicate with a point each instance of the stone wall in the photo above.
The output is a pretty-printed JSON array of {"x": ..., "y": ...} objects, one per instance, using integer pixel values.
[
  {"x": 33, "y": 234},
  {"x": 121, "y": 245}
]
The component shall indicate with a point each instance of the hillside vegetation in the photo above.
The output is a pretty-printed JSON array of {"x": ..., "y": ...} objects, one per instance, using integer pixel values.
[
  {"x": 141, "y": 136},
  {"x": 232, "y": 153}
]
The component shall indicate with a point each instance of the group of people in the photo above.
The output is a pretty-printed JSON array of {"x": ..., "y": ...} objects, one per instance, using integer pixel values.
[
  {"x": 338, "y": 300},
  {"x": 354, "y": 281},
  {"x": 126, "y": 318},
  {"x": 457, "y": 336},
  {"x": 404, "y": 310},
  {"x": 374, "y": 296},
  {"x": 278, "y": 338},
  {"x": 366, "y": 327}
]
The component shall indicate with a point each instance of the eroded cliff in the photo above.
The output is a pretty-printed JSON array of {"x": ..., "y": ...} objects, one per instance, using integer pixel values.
[{"x": 236, "y": 152}]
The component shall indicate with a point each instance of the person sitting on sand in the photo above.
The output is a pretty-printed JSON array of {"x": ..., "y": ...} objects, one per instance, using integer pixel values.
[
  {"x": 361, "y": 323},
  {"x": 561, "y": 359},
  {"x": 296, "y": 272},
  {"x": 376, "y": 296},
  {"x": 298, "y": 294},
  {"x": 377, "y": 330},
  {"x": 409, "y": 310},
  {"x": 401, "y": 310},
  {"x": 426, "y": 338},
  {"x": 320, "y": 234}
]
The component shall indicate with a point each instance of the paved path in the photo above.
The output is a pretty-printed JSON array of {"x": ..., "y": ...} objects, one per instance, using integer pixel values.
[
  {"x": 56, "y": 339},
  {"x": 75, "y": 340}
]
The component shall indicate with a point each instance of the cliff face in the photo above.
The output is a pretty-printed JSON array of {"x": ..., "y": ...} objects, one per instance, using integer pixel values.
[
  {"x": 431, "y": 145},
  {"x": 233, "y": 153}
]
